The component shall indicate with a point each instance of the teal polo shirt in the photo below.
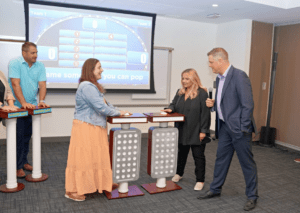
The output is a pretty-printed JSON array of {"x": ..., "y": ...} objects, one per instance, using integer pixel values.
[{"x": 29, "y": 78}]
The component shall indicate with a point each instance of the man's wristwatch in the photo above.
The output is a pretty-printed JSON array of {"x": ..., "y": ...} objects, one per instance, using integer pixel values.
[{"x": 42, "y": 101}]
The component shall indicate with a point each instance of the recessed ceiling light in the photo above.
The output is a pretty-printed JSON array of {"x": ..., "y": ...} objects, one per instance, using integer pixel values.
[{"x": 215, "y": 5}]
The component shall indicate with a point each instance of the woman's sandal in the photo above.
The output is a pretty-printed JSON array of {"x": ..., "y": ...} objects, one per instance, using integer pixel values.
[{"x": 74, "y": 197}]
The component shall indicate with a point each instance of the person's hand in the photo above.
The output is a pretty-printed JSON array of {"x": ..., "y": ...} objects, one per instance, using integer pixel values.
[
  {"x": 202, "y": 136},
  {"x": 13, "y": 106},
  {"x": 28, "y": 106},
  {"x": 9, "y": 108},
  {"x": 42, "y": 104},
  {"x": 210, "y": 102},
  {"x": 123, "y": 112},
  {"x": 166, "y": 110}
]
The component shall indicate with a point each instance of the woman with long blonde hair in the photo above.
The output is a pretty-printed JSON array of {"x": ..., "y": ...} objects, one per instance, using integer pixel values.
[{"x": 190, "y": 101}]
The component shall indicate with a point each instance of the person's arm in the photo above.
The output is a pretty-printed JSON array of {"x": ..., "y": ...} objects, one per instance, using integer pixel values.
[
  {"x": 204, "y": 115},
  {"x": 122, "y": 112},
  {"x": 42, "y": 85},
  {"x": 210, "y": 103},
  {"x": 92, "y": 97},
  {"x": 42, "y": 94},
  {"x": 110, "y": 105},
  {"x": 14, "y": 73},
  {"x": 244, "y": 92},
  {"x": 10, "y": 103},
  {"x": 9, "y": 98},
  {"x": 19, "y": 94},
  {"x": 10, "y": 107},
  {"x": 171, "y": 107}
]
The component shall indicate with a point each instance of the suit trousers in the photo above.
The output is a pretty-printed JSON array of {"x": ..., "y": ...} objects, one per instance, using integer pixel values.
[
  {"x": 199, "y": 158},
  {"x": 241, "y": 143},
  {"x": 24, "y": 132}
]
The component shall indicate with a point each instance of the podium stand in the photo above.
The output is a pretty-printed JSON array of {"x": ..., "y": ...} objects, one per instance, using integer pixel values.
[
  {"x": 11, "y": 154},
  {"x": 162, "y": 152},
  {"x": 37, "y": 175},
  {"x": 125, "y": 152}
]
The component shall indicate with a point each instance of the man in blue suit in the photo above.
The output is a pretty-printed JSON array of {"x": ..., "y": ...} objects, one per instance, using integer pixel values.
[{"x": 234, "y": 125}]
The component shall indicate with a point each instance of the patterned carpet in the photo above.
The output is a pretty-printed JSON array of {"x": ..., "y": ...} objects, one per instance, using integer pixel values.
[{"x": 278, "y": 179}]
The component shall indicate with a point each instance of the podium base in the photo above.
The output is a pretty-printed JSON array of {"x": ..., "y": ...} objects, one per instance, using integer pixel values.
[
  {"x": 20, "y": 187},
  {"x": 29, "y": 178},
  {"x": 151, "y": 188},
  {"x": 133, "y": 191}
]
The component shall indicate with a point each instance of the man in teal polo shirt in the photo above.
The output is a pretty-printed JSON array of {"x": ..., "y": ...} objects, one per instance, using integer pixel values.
[{"x": 26, "y": 77}]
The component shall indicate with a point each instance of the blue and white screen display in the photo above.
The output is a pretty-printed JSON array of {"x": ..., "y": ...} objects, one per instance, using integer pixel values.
[{"x": 66, "y": 37}]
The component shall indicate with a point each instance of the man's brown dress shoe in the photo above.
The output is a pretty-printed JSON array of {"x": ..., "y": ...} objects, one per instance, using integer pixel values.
[
  {"x": 28, "y": 167},
  {"x": 21, "y": 173}
]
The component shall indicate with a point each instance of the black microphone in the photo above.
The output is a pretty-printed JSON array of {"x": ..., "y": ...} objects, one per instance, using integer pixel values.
[{"x": 210, "y": 92}]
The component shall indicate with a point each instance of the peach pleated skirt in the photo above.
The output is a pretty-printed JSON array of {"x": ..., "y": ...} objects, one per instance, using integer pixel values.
[{"x": 88, "y": 167}]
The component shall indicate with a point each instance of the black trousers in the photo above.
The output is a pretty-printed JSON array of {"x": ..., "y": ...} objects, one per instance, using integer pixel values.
[
  {"x": 199, "y": 158},
  {"x": 24, "y": 132}
]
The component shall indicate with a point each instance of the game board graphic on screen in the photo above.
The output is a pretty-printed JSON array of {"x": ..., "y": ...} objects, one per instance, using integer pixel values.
[{"x": 66, "y": 37}]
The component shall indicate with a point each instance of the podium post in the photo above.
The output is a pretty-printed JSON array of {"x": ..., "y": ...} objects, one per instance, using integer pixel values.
[
  {"x": 11, "y": 154},
  {"x": 162, "y": 152},
  {"x": 125, "y": 153},
  {"x": 37, "y": 175}
]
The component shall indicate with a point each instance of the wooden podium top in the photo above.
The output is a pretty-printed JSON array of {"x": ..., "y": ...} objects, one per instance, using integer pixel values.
[
  {"x": 13, "y": 114},
  {"x": 169, "y": 117},
  {"x": 39, "y": 110},
  {"x": 126, "y": 119}
]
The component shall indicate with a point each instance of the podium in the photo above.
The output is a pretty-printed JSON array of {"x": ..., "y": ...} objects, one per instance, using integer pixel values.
[
  {"x": 125, "y": 153},
  {"x": 162, "y": 152},
  {"x": 37, "y": 175},
  {"x": 11, "y": 154}
]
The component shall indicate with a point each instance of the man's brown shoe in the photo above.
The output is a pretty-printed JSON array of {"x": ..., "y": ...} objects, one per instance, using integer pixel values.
[
  {"x": 21, "y": 173},
  {"x": 28, "y": 167}
]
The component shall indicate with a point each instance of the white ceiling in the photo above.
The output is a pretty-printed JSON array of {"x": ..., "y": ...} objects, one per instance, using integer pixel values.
[{"x": 197, "y": 10}]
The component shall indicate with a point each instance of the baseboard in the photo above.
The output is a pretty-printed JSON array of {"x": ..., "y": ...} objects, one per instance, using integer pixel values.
[{"x": 286, "y": 145}]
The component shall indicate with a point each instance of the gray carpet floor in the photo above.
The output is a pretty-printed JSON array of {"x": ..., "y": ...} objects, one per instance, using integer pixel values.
[{"x": 278, "y": 179}]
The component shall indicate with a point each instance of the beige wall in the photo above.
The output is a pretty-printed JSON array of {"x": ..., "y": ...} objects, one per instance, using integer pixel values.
[
  {"x": 259, "y": 70},
  {"x": 286, "y": 104}
]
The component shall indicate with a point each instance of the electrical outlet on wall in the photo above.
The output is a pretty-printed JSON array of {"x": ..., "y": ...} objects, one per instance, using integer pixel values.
[{"x": 264, "y": 85}]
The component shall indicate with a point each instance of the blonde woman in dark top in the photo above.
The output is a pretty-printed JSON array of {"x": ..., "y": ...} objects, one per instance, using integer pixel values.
[{"x": 190, "y": 101}]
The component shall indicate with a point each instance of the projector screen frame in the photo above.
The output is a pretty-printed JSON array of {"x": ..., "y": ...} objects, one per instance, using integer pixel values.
[{"x": 86, "y": 7}]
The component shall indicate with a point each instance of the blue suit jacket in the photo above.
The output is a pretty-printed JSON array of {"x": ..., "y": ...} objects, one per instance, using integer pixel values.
[{"x": 236, "y": 102}]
